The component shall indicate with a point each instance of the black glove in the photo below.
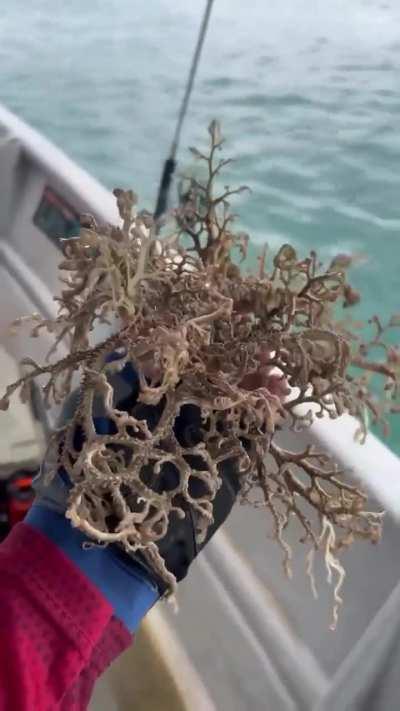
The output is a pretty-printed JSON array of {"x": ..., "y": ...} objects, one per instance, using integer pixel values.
[{"x": 179, "y": 546}]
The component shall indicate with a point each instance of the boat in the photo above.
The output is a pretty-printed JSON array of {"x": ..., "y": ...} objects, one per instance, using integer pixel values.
[{"x": 244, "y": 636}]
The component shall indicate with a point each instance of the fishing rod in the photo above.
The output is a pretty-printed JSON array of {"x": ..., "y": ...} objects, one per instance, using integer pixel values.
[{"x": 170, "y": 163}]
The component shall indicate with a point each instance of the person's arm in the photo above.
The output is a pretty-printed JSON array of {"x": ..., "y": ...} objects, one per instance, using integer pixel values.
[
  {"x": 58, "y": 624},
  {"x": 68, "y": 607}
]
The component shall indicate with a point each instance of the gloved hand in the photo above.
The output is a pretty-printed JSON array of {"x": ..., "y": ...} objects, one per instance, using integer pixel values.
[{"x": 126, "y": 580}]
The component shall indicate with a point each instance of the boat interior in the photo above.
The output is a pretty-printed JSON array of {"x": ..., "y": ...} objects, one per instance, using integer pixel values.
[{"x": 243, "y": 633}]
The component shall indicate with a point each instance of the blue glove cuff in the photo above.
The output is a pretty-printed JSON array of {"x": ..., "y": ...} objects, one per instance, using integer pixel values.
[{"x": 127, "y": 588}]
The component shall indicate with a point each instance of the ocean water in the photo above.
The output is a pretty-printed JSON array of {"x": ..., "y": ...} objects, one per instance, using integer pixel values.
[{"x": 308, "y": 93}]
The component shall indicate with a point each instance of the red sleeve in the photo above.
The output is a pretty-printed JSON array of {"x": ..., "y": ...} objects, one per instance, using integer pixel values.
[{"x": 57, "y": 632}]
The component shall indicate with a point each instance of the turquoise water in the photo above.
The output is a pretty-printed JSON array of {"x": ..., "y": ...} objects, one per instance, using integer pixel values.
[{"x": 307, "y": 92}]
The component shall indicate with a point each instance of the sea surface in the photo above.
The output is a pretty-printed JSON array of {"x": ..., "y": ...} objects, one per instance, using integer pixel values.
[{"x": 307, "y": 91}]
